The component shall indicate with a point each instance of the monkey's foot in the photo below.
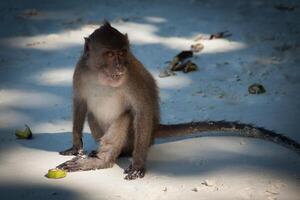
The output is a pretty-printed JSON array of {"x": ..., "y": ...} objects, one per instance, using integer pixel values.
[
  {"x": 84, "y": 164},
  {"x": 134, "y": 173},
  {"x": 72, "y": 151}
]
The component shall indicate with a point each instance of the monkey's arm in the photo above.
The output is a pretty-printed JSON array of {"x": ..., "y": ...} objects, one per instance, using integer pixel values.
[
  {"x": 111, "y": 145},
  {"x": 79, "y": 114},
  {"x": 143, "y": 125}
]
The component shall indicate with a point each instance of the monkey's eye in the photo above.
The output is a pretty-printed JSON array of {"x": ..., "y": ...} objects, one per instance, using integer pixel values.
[
  {"x": 109, "y": 54},
  {"x": 122, "y": 52}
]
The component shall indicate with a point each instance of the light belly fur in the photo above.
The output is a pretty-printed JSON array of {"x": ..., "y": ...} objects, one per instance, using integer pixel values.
[{"x": 105, "y": 103}]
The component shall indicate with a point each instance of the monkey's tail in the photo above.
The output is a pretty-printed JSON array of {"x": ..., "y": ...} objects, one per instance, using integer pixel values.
[{"x": 244, "y": 130}]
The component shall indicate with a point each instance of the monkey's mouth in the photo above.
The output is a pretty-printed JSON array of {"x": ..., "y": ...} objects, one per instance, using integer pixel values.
[
  {"x": 112, "y": 79},
  {"x": 116, "y": 76}
]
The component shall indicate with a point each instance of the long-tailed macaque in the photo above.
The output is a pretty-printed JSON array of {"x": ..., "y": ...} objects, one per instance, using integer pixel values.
[{"x": 120, "y": 99}]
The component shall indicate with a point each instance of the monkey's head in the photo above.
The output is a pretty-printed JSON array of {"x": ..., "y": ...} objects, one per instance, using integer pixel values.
[{"x": 106, "y": 50}]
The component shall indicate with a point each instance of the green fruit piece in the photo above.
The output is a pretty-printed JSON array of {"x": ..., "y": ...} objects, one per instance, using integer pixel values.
[
  {"x": 24, "y": 134},
  {"x": 56, "y": 173}
]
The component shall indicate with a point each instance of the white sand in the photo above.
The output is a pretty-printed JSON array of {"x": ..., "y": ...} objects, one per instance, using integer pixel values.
[{"x": 40, "y": 44}]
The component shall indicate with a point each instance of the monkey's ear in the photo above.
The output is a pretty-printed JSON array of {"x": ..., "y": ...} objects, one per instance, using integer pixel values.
[{"x": 86, "y": 46}]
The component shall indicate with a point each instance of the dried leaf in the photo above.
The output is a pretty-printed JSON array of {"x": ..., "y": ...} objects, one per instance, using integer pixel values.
[
  {"x": 223, "y": 34},
  {"x": 189, "y": 67}
]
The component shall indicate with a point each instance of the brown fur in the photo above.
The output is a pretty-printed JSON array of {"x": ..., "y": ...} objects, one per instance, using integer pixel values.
[
  {"x": 120, "y": 99},
  {"x": 122, "y": 118}
]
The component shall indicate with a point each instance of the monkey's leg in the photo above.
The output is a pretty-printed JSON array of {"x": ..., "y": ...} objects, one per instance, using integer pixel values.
[
  {"x": 111, "y": 145},
  {"x": 142, "y": 138},
  {"x": 128, "y": 147},
  {"x": 79, "y": 113}
]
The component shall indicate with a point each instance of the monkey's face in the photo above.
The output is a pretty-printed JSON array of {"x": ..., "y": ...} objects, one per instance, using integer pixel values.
[
  {"x": 113, "y": 66},
  {"x": 107, "y": 53}
]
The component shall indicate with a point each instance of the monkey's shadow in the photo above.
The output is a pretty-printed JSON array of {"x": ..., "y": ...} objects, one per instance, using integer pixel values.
[{"x": 183, "y": 159}]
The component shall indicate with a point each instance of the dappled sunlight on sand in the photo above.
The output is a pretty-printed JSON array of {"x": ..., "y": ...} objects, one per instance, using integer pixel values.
[
  {"x": 147, "y": 34},
  {"x": 51, "y": 41},
  {"x": 41, "y": 47},
  {"x": 55, "y": 77},
  {"x": 53, "y": 126},
  {"x": 14, "y": 101},
  {"x": 11, "y": 118},
  {"x": 154, "y": 19},
  {"x": 27, "y": 99},
  {"x": 63, "y": 77},
  {"x": 56, "y": 126}
]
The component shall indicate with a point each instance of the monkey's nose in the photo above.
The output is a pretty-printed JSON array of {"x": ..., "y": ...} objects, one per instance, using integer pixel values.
[{"x": 120, "y": 69}]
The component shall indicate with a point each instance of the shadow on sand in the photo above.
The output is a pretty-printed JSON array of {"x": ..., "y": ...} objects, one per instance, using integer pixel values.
[
  {"x": 33, "y": 191},
  {"x": 186, "y": 161}
]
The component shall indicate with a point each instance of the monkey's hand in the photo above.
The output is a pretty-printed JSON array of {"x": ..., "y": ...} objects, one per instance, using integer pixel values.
[
  {"x": 72, "y": 151},
  {"x": 84, "y": 164},
  {"x": 134, "y": 173}
]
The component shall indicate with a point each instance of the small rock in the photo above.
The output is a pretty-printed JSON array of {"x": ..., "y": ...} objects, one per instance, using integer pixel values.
[
  {"x": 208, "y": 183},
  {"x": 195, "y": 189},
  {"x": 256, "y": 89}
]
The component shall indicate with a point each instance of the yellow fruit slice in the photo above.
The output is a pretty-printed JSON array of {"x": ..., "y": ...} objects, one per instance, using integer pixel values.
[
  {"x": 56, "y": 173},
  {"x": 24, "y": 134}
]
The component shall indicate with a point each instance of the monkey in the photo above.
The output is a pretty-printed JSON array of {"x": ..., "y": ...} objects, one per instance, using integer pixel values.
[{"x": 119, "y": 97}]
